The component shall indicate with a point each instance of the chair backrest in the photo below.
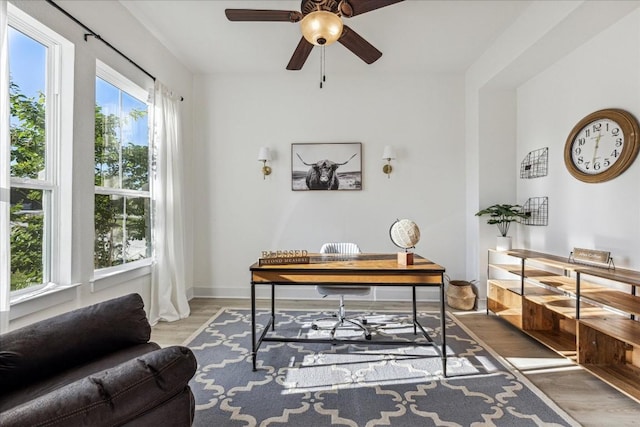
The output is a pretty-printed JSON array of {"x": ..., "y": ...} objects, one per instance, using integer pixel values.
[{"x": 340, "y": 248}]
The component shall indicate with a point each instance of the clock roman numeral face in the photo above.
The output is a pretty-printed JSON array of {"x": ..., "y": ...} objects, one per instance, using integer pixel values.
[{"x": 597, "y": 146}]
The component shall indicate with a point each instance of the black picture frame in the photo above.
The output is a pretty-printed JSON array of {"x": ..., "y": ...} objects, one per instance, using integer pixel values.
[{"x": 326, "y": 166}]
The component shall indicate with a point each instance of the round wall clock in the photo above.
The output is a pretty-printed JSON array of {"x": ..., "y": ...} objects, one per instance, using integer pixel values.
[{"x": 602, "y": 145}]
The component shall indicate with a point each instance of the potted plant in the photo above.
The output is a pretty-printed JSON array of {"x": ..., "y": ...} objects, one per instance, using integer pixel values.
[{"x": 502, "y": 215}]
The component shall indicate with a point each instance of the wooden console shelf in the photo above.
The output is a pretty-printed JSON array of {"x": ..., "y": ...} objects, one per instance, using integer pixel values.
[{"x": 587, "y": 314}]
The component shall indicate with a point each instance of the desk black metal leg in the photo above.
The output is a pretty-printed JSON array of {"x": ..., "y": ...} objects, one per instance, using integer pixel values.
[
  {"x": 254, "y": 349},
  {"x": 415, "y": 311},
  {"x": 442, "y": 328},
  {"x": 273, "y": 307}
]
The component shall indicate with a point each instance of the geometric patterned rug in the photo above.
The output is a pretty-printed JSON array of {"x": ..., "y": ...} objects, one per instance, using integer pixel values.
[{"x": 309, "y": 385}]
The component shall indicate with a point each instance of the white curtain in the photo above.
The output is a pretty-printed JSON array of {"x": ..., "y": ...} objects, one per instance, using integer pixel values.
[{"x": 168, "y": 298}]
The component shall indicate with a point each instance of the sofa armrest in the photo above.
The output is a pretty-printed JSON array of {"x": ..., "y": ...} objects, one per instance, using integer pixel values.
[
  {"x": 113, "y": 396},
  {"x": 54, "y": 345}
]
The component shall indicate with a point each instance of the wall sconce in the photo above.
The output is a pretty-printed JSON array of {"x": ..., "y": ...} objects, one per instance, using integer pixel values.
[
  {"x": 388, "y": 154},
  {"x": 264, "y": 155}
]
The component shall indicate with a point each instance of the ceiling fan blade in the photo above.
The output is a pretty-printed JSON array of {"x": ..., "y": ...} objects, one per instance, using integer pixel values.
[
  {"x": 363, "y": 6},
  {"x": 263, "y": 15},
  {"x": 300, "y": 55},
  {"x": 356, "y": 44}
]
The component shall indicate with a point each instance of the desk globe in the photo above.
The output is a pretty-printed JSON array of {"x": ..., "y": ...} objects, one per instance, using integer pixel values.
[{"x": 405, "y": 234}]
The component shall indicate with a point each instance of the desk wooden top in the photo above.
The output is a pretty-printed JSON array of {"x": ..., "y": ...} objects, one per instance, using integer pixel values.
[{"x": 354, "y": 269}]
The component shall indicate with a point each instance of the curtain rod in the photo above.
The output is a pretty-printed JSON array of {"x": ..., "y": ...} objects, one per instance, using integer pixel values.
[{"x": 91, "y": 33}]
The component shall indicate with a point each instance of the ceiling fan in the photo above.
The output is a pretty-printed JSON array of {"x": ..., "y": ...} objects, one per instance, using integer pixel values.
[{"x": 321, "y": 25}]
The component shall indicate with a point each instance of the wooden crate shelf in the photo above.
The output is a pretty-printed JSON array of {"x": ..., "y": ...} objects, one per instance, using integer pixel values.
[
  {"x": 623, "y": 377},
  {"x": 505, "y": 302},
  {"x": 511, "y": 315},
  {"x": 609, "y": 348},
  {"x": 556, "y": 303},
  {"x": 509, "y": 285},
  {"x": 623, "y": 329},
  {"x": 614, "y": 299},
  {"x": 593, "y": 325},
  {"x": 561, "y": 342},
  {"x": 567, "y": 284},
  {"x": 533, "y": 272},
  {"x": 566, "y": 306},
  {"x": 507, "y": 267}
]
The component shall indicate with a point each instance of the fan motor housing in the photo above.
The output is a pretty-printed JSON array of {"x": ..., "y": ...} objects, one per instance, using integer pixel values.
[{"x": 308, "y": 6}]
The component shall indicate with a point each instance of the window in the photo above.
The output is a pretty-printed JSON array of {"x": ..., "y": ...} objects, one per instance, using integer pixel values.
[
  {"x": 39, "y": 105},
  {"x": 122, "y": 166}
]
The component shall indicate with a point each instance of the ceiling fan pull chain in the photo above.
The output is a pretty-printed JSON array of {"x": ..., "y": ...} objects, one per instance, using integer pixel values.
[
  {"x": 321, "y": 65},
  {"x": 324, "y": 64},
  {"x": 323, "y": 77}
]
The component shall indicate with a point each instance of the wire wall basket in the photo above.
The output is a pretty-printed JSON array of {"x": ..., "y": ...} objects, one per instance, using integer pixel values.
[
  {"x": 537, "y": 210},
  {"x": 535, "y": 164}
]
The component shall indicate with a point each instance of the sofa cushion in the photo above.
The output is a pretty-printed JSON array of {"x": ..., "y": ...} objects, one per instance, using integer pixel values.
[
  {"x": 177, "y": 412},
  {"x": 47, "y": 348},
  {"x": 34, "y": 390},
  {"x": 112, "y": 397}
]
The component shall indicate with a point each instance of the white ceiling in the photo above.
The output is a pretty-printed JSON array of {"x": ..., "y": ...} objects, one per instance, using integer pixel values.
[{"x": 414, "y": 35}]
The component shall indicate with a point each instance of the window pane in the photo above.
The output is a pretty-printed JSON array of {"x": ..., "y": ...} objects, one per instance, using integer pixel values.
[
  {"x": 137, "y": 229},
  {"x": 122, "y": 227},
  {"x": 122, "y": 132},
  {"x": 27, "y": 73},
  {"x": 135, "y": 145},
  {"x": 27, "y": 239},
  {"x": 107, "y": 128},
  {"x": 122, "y": 217},
  {"x": 27, "y": 88},
  {"x": 108, "y": 239}
]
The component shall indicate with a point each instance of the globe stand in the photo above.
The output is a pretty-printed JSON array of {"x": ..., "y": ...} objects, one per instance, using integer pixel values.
[{"x": 405, "y": 258}]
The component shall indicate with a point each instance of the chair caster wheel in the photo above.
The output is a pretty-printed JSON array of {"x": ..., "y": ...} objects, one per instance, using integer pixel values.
[
  {"x": 368, "y": 337},
  {"x": 314, "y": 327},
  {"x": 364, "y": 321}
]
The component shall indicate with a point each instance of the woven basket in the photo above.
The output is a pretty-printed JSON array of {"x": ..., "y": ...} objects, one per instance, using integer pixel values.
[{"x": 461, "y": 295}]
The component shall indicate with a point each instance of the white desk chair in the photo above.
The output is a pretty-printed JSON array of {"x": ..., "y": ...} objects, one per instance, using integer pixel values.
[{"x": 325, "y": 290}]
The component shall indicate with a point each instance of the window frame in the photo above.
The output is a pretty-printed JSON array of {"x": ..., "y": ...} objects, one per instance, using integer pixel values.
[
  {"x": 107, "y": 276},
  {"x": 57, "y": 182}
]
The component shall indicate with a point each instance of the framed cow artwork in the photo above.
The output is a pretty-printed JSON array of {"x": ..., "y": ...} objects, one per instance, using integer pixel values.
[{"x": 326, "y": 166}]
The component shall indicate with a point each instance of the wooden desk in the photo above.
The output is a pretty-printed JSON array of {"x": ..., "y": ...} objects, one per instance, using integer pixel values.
[{"x": 349, "y": 270}]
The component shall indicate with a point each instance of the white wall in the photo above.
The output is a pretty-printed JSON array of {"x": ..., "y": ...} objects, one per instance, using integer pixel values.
[
  {"x": 238, "y": 214},
  {"x": 532, "y": 80},
  {"x": 115, "y": 25},
  {"x": 536, "y": 76},
  {"x": 602, "y": 73}
]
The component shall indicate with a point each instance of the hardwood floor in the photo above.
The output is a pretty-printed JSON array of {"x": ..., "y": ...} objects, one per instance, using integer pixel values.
[{"x": 587, "y": 399}]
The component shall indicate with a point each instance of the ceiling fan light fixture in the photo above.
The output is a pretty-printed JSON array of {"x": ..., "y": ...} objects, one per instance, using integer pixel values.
[{"x": 321, "y": 28}]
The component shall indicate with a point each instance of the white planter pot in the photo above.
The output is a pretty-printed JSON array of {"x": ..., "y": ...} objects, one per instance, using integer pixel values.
[{"x": 503, "y": 243}]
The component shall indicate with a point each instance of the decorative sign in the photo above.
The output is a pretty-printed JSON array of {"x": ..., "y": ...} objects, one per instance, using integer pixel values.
[
  {"x": 284, "y": 257},
  {"x": 591, "y": 256}
]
